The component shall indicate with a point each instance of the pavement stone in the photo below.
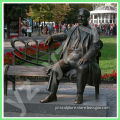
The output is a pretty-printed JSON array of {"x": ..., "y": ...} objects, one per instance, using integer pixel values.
[{"x": 68, "y": 89}]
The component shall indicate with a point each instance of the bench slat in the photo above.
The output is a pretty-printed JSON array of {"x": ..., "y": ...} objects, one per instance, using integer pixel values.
[{"x": 27, "y": 71}]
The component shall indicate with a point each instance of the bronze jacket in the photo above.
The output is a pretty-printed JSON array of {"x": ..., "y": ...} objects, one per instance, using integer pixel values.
[{"x": 89, "y": 44}]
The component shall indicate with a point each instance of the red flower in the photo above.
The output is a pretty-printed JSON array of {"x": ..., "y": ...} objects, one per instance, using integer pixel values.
[
  {"x": 41, "y": 48},
  {"x": 115, "y": 75},
  {"x": 34, "y": 46},
  {"x": 57, "y": 44},
  {"x": 18, "y": 54},
  {"x": 108, "y": 76},
  {"x": 21, "y": 49},
  {"x": 46, "y": 47},
  {"x": 41, "y": 45}
]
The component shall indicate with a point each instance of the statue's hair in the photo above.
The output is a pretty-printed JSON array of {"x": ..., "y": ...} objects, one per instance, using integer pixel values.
[{"x": 85, "y": 11}]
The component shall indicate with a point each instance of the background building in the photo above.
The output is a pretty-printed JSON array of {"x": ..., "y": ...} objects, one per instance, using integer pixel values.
[{"x": 104, "y": 14}]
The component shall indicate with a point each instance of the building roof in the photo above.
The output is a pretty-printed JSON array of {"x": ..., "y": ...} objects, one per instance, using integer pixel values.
[{"x": 104, "y": 9}]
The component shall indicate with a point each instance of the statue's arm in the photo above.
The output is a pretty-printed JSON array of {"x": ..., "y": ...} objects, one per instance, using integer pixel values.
[
  {"x": 94, "y": 49},
  {"x": 59, "y": 37},
  {"x": 95, "y": 46}
]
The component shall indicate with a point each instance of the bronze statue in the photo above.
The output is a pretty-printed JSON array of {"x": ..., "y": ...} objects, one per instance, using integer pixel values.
[{"x": 79, "y": 52}]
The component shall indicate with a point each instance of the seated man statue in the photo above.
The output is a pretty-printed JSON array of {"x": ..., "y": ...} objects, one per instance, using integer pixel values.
[{"x": 79, "y": 52}]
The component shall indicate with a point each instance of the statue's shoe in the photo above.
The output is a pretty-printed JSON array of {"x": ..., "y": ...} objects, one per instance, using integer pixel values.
[
  {"x": 49, "y": 98},
  {"x": 79, "y": 99}
]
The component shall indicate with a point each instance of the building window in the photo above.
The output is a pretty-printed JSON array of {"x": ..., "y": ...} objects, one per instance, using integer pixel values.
[
  {"x": 106, "y": 21},
  {"x": 95, "y": 21},
  {"x": 95, "y": 16},
  {"x": 110, "y": 21},
  {"x": 111, "y": 17}
]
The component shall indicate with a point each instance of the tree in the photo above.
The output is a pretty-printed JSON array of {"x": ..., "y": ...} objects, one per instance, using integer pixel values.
[
  {"x": 49, "y": 12},
  {"x": 57, "y": 12},
  {"x": 42, "y": 12},
  {"x": 12, "y": 12},
  {"x": 60, "y": 11}
]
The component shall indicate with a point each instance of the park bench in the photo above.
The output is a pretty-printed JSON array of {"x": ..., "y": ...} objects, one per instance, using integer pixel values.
[
  {"x": 10, "y": 71},
  {"x": 38, "y": 70}
]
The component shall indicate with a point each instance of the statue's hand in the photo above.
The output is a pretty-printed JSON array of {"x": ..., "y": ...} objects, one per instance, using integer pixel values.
[
  {"x": 48, "y": 40},
  {"x": 82, "y": 61},
  {"x": 48, "y": 71}
]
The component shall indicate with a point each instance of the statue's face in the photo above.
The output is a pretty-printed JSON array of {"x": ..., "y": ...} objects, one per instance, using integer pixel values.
[{"x": 82, "y": 18}]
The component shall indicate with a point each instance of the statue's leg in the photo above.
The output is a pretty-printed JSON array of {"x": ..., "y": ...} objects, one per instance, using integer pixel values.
[
  {"x": 52, "y": 88},
  {"x": 57, "y": 72},
  {"x": 53, "y": 82},
  {"x": 82, "y": 73},
  {"x": 55, "y": 76},
  {"x": 97, "y": 91}
]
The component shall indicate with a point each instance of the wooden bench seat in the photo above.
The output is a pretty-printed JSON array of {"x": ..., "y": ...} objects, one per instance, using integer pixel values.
[{"x": 18, "y": 70}]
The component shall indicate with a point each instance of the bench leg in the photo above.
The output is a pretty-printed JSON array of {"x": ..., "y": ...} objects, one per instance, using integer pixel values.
[
  {"x": 5, "y": 79},
  {"x": 97, "y": 91},
  {"x": 13, "y": 84},
  {"x": 5, "y": 86}
]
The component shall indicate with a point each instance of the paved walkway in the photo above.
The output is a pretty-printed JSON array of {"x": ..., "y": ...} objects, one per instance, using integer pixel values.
[
  {"x": 108, "y": 90},
  {"x": 102, "y": 85}
]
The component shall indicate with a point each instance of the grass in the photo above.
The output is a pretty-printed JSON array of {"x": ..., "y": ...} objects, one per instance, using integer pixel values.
[{"x": 108, "y": 59}]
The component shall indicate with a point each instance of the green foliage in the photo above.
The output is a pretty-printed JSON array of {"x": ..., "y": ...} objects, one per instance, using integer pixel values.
[
  {"x": 41, "y": 12},
  {"x": 49, "y": 12},
  {"x": 57, "y": 12},
  {"x": 60, "y": 12}
]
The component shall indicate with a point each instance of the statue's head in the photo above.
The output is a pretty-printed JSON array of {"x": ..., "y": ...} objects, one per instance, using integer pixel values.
[{"x": 83, "y": 17}]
